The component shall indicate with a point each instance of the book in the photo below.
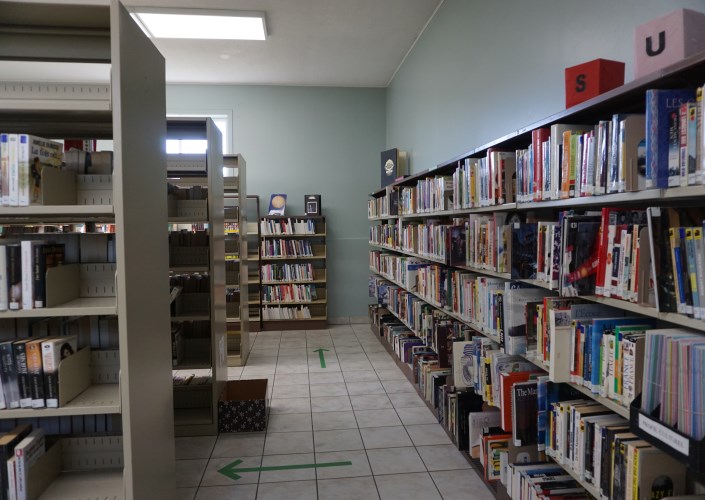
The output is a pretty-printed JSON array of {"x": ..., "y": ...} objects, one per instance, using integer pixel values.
[
  {"x": 27, "y": 249},
  {"x": 53, "y": 352},
  {"x": 277, "y": 204},
  {"x": 660, "y": 103},
  {"x": 463, "y": 364},
  {"x": 20, "y": 352},
  {"x": 14, "y": 276},
  {"x": 524, "y": 411},
  {"x": 27, "y": 453},
  {"x": 8, "y": 441},
  {"x": 632, "y": 153},
  {"x": 42, "y": 153},
  {"x": 44, "y": 257},
  {"x": 393, "y": 165},
  {"x": 506, "y": 384},
  {"x": 523, "y": 252},
  {"x": 36, "y": 372},
  {"x": 479, "y": 422},
  {"x": 9, "y": 375}
]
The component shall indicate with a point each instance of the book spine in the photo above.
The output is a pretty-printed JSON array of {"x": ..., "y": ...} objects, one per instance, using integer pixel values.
[
  {"x": 27, "y": 263},
  {"x": 651, "y": 138},
  {"x": 4, "y": 303},
  {"x": 23, "y": 171},
  {"x": 674, "y": 148},
  {"x": 9, "y": 376},
  {"x": 699, "y": 139},
  {"x": 13, "y": 166},
  {"x": 39, "y": 275},
  {"x": 4, "y": 163},
  {"x": 20, "y": 352},
  {"x": 11, "y": 492},
  {"x": 683, "y": 144},
  {"x": 691, "y": 142},
  {"x": 50, "y": 363},
  {"x": 14, "y": 276},
  {"x": 36, "y": 373},
  {"x": 692, "y": 271}
]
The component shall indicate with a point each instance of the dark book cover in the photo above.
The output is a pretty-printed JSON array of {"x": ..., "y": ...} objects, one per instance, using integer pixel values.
[
  {"x": 8, "y": 442},
  {"x": 523, "y": 257},
  {"x": 8, "y": 375},
  {"x": 457, "y": 241},
  {"x": 14, "y": 276},
  {"x": 468, "y": 402},
  {"x": 393, "y": 165},
  {"x": 531, "y": 316},
  {"x": 524, "y": 413},
  {"x": 581, "y": 257},
  {"x": 442, "y": 332},
  {"x": 20, "y": 351},
  {"x": 606, "y": 448},
  {"x": 44, "y": 257}
]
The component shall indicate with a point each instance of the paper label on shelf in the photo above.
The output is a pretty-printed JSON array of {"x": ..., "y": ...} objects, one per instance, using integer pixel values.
[{"x": 664, "y": 434}]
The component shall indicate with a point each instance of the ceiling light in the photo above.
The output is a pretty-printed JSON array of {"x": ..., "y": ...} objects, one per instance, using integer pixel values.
[{"x": 201, "y": 23}]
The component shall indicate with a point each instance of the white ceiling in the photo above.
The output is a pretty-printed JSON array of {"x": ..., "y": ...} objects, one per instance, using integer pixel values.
[{"x": 350, "y": 43}]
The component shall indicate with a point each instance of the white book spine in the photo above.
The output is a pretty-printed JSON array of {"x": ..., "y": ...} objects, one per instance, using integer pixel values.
[
  {"x": 23, "y": 170},
  {"x": 11, "y": 477},
  {"x": 26, "y": 453},
  {"x": 13, "y": 167},
  {"x": 27, "y": 275}
]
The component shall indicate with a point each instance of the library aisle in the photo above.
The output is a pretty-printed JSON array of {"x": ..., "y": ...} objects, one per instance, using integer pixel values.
[{"x": 338, "y": 400}]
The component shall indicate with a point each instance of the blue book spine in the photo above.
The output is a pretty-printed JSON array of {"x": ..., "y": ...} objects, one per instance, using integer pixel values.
[
  {"x": 692, "y": 270},
  {"x": 678, "y": 258},
  {"x": 587, "y": 358},
  {"x": 596, "y": 361},
  {"x": 659, "y": 104}
]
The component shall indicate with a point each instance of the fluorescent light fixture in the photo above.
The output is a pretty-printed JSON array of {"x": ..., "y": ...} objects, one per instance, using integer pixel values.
[{"x": 206, "y": 24}]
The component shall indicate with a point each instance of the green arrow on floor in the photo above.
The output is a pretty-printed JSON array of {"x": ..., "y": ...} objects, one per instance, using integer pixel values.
[
  {"x": 320, "y": 356},
  {"x": 232, "y": 472}
]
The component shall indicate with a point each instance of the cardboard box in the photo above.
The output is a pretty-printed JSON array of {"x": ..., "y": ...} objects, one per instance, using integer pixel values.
[
  {"x": 590, "y": 79},
  {"x": 242, "y": 406},
  {"x": 668, "y": 39}
]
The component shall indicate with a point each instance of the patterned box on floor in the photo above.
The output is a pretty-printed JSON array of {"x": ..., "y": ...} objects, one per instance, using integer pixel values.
[{"x": 242, "y": 406}]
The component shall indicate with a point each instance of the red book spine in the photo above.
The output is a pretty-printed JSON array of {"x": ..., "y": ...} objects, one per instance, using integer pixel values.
[{"x": 538, "y": 137}]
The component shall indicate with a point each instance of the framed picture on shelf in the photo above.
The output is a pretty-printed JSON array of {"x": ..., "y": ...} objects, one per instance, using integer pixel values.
[{"x": 277, "y": 204}]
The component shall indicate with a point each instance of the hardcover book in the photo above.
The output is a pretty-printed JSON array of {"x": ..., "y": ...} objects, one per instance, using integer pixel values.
[
  {"x": 660, "y": 103},
  {"x": 393, "y": 165},
  {"x": 53, "y": 352}
]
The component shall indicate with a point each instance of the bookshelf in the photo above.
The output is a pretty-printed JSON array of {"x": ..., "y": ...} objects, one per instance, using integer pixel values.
[
  {"x": 239, "y": 264},
  {"x": 197, "y": 276},
  {"x": 391, "y": 215},
  {"x": 131, "y": 112},
  {"x": 293, "y": 272}
]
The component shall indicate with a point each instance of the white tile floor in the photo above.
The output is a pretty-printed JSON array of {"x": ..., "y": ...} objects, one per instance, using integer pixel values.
[{"x": 360, "y": 409}]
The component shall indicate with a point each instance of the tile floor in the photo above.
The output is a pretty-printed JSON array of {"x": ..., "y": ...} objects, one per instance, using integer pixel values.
[{"x": 360, "y": 409}]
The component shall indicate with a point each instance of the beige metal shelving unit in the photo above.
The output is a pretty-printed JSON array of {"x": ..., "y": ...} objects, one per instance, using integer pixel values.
[
  {"x": 131, "y": 112},
  {"x": 239, "y": 319},
  {"x": 196, "y": 407}
]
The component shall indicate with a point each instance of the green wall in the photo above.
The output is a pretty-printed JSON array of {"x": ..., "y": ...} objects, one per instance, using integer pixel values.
[
  {"x": 308, "y": 140},
  {"x": 485, "y": 69}
]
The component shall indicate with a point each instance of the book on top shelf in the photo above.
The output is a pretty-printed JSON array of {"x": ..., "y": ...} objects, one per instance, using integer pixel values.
[
  {"x": 277, "y": 204},
  {"x": 393, "y": 165}
]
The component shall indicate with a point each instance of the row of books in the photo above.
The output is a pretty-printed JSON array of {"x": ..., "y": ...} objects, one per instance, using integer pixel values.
[
  {"x": 288, "y": 293},
  {"x": 191, "y": 282},
  {"x": 597, "y": 446},
  {"x": 672, "y": 383},
  {"x": 29, "y": 371},
  {"x": 486, "y": 181},
  {"x": 427, "y": 239},
  {"x": 20, "y": 449},
  {"x": 23, "y": 267},
  {"x": 22, "y": 158},
  {"x": 278, "y": 312},
  {"x": 282, "y": 226},
  {"x": 188, "y": 238},
  {"x": 286, "y": 248},
  {"x": 384, "y": 205},
  {"x": 385, "y": 235},
  {"x": 432, "y": 194},
  {"x": 288, "y": 272}
]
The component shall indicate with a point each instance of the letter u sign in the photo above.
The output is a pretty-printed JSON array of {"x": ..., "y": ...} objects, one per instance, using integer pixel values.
[{"x": 650, "y": 51}]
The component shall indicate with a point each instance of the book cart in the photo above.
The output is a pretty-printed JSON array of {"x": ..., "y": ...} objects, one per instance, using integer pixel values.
[
  {"x": 197, "y": 275},
  {"x": 293, "y": 267},
  {"x": 389, "y": 237},
  {"x": 124, "y": 385}
]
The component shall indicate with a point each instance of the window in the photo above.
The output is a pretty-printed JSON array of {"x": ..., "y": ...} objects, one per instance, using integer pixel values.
[{"x": 195, "y": 146}]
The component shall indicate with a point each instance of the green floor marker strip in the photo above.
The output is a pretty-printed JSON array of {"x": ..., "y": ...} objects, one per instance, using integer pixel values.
[
  {"x": 320, "y": 356},
  {"x": 231, "y": 471}
]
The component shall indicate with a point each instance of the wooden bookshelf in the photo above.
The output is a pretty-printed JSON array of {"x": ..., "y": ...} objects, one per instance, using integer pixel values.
[
  {"x": 275, "y": 229},
  {"x": 130, "y": 111}
]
